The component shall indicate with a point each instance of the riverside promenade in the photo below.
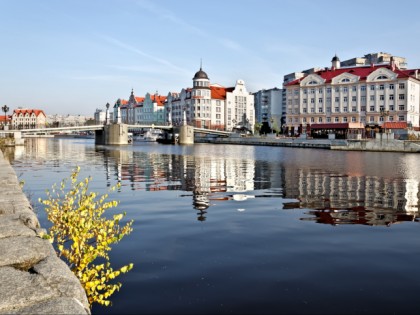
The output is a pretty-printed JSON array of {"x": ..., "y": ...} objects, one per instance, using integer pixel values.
[{"x": 33, "y": 279}]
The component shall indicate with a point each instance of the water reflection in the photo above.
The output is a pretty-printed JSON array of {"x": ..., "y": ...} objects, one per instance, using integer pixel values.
[{"x": 350, "y": 192}]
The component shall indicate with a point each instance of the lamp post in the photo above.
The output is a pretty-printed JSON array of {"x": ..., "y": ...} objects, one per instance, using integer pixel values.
[
  {"x": 5, "y": 109},
  {"x": 384, "y": 113}
]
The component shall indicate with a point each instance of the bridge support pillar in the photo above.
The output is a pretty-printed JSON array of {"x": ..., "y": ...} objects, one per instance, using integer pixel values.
[
  {"x": 114, "y": 134},
  {"x": 186, "y": 134}
]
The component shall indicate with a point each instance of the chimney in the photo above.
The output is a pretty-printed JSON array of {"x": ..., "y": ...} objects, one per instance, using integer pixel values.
[{"x": 392, "y": 63}]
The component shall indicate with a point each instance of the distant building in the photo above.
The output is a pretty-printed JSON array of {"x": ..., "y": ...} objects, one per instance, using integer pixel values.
[
  {"x": 138, "y": 110},
  {"x": 28, "y": 118},
  {"x": 99, "y": 116},
  {"x": 268, "y": 107}
]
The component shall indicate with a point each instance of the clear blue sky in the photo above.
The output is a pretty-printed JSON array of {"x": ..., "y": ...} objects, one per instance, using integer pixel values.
[{"x": 71, "y": 57}]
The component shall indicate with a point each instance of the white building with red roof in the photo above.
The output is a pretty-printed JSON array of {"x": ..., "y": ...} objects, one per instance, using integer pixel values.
[
  {"x": 339, "y": 99},
  {"x": 28, "y": 118},
  {"x": 212, "y": 105}
]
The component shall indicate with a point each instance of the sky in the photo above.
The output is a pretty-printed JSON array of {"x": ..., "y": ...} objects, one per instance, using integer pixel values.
[{"x": 72, "y": 57}]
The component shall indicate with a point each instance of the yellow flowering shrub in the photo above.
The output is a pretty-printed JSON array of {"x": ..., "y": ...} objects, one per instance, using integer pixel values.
[{"x": 83, "y": 236}]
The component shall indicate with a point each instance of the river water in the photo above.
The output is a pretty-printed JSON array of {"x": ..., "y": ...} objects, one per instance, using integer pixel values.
[{"x": 247, "y": 229}]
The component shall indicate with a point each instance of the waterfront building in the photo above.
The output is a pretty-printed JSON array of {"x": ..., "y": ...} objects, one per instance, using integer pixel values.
[
  {"x": 138, "y": 110},
  {"x": 28, "y": 118},
  {"x": 211, "y": 106},
  {"x": 362, "y": 99},
  {"x": 268, "y": 107}
]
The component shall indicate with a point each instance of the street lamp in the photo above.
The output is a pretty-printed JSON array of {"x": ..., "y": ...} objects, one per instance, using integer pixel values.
[{"x": 5, "y": 109}]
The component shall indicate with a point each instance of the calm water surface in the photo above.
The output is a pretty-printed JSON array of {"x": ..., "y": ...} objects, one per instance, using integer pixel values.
[{"x": 243, "y": 229}]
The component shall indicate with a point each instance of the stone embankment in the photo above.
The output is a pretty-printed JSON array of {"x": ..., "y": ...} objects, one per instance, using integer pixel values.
[
  {"x": 33, "y": 279},
  {"x": 376, "y": 145}
]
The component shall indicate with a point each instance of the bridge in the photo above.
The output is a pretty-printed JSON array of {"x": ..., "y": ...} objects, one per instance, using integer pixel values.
[{"x": 118, "y": 133}]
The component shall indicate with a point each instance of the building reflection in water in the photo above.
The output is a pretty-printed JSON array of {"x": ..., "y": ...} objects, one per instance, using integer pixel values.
[{"x": 331, "y": 197}]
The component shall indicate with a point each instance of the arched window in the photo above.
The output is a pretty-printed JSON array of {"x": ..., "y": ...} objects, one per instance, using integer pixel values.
[
  {"x": 382, "y": 77},
  {"x": 312, "y": 82},
  {"x": 345, "y": 80}
]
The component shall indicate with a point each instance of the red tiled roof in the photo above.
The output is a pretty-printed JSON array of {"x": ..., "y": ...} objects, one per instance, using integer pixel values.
[
  {"x": 218, "y": 93},
  {"x": 139, "y": 99},
  {"x": 395, "y": 125},
  {"x": 159, "y": 99},
  {"x": 29, "y": 111},
  {"x": 362, "y": 72}
]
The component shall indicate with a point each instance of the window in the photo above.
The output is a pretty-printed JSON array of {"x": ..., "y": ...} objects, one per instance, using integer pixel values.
[
  {"x": 329, "y": 90},
  {"x": 391, "y": 86},
  {"x": 305, "y": 91},
  {"x": 381, "y": 97},
  {"x": 328, "y": 100},
  {"x": 337, "y": 89},
  {"x": 372, "y": 97},
  {"x": 328, "y": 119},
  {"x": 312, "y": 119},
  {"x": 337, "y": 109},
  {"x": 336, "y": 119},
  {"x": 354, "y": 88},
  {"x": 304, "y": 119},
  {"x": 320, "y": 90},
  {"x": 391, "y": 97},
  {"x": 381, "y": 118},
  {"x": 344, "y": 119},
  {"x": 363, "y": 98},
  {"x": 363, "y": 108},
  {"x": 328, "y": 109},
  {"x": 391, "y": 107},
  {"x": 401, "y": 118},
  {"x": 345, "y": 80},
  {"x": 401, "y": 86},
  {"x": 312, "y": 100},
  {"x": 371, "y": 118},
  {"x": 401, "y": 96},
  {"x": 353, "y": 119},
  {"x": 312, "y": 91},
  {"x": 320, "y": 100},
  {"x": 372, "y": 88},
  {"x": 391, "y": 118},
  {"x": 363, "y": 88},
  {"x": 345, "y": 109},
  {"x": 320, "y": 110},
  {"x": 401, "y": 107},
  {"x": 372, "y": 108},
  {"x": 381, "y": 77},
  {"x": 381, "y": 87},
  {"x": 305, "y": 110},
  {"x": 345, "y": 89},
  {"x": 320, "y": 119},
  {"x": 312, "y": 82},
  {"x": 354, "y": 109},
  {"x": 345, "y": 99},
  {"x": 337, "y": 99},
  {"x": 305, "y": 101}
]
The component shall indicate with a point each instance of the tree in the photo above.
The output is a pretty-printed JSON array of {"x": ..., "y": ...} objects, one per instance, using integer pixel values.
[{"x": 83, "y": 236}]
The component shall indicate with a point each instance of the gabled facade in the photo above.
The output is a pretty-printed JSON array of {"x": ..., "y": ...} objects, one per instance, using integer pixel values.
[
  {"x": 365, "y": 96},
  {"x": 28, "y": 118},
  {"x": 211, "y": 105}
]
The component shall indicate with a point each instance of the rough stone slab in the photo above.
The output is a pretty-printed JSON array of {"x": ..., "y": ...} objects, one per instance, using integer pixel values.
[
  {"x": 11, "y": 225},
  {"x": 59, "y": 276},
  {"x": 19, "y": 289},
  {"x": 54, "y": 306},
  {"x": 23, "y": 252}
]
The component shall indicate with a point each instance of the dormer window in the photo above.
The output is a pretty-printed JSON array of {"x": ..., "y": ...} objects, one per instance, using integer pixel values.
[
  {"x": 345, "y": 80},
  {"x": 382, "y": 77},
  {"x": 312, "y": 82}
]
